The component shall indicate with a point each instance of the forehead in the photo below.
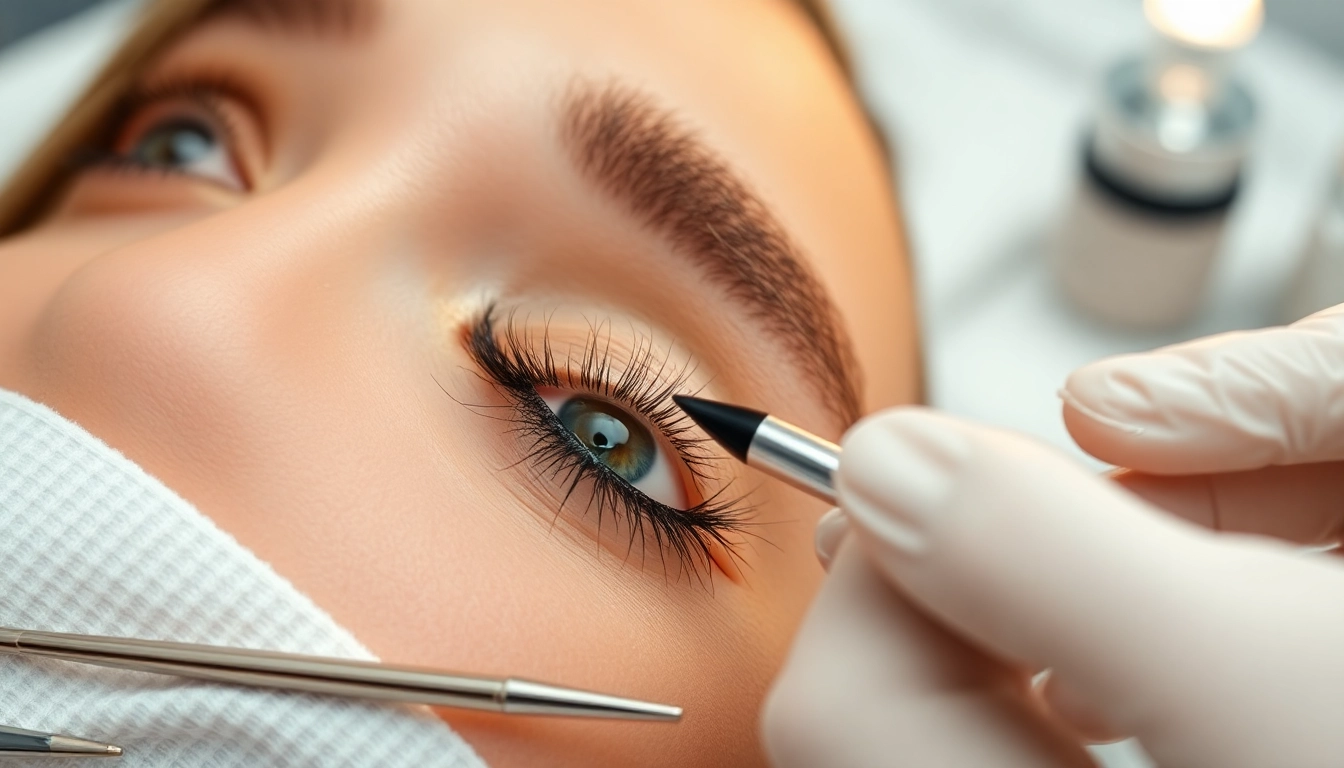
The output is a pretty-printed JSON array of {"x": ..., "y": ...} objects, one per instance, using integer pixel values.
[
  {"x": 345, "y": 16},
  {"x": 350, "y": 19}
]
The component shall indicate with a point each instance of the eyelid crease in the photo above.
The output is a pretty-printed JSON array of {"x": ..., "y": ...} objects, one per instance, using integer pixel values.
[
  {"x": 516, "y": 363},
  {"x": 217, "y": 83}
]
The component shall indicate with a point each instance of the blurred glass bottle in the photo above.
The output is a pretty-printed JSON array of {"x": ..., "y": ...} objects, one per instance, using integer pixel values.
[
  {"x": 1320, "y": 282},
  {"x": 1161, "y": 168}
]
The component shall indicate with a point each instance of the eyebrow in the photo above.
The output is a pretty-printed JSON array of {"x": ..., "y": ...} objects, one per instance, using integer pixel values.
[
  {"x": 638, "y": 153},
  {"x": 336, "y": 19}
]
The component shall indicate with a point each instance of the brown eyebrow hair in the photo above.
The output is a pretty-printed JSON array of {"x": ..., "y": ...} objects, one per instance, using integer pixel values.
[{"x": 639, "y": 154}]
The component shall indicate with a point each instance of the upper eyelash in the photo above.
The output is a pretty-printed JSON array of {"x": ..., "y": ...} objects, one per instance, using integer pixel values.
[
  {"x": 642, "y": 385},
  {"x": 517, "y": 364}
]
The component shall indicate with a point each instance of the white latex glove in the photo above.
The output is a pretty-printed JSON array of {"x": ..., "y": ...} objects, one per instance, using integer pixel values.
[{"x": 1214, "y": 648}]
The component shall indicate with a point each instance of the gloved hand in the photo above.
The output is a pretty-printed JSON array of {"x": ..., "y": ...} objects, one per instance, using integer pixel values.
[{"x": 976, "y": 558}]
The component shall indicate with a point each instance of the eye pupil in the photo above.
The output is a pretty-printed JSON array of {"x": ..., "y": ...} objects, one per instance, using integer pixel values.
[
  {"x": 175, "y": 144},
  {"x": 614, "y": 437}
]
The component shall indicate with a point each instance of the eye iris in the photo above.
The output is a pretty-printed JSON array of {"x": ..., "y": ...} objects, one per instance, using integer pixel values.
[
  {"x": 174, "y": 145},
  {"x": 611, "y": 435}
]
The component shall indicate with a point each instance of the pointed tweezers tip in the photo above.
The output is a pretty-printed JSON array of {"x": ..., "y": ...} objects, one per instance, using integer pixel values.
[
  {"x": 526, "y": 696},
  {"x": 70, "y": 746}
]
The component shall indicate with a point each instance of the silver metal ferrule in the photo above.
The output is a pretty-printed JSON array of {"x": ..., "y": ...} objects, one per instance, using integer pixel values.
[{"x": 799, "y": 458}]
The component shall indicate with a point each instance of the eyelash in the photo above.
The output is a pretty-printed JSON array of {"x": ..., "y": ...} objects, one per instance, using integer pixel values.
[
  {"x": 517, "y": 365},
  {"x": 206, "y": 92}
]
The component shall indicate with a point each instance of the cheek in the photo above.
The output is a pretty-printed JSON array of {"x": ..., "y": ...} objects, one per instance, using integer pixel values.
[
  {"x": 145, "y": 341},
  {"x": 36, "y": 264},
  {"x": 193, "y": 343}
]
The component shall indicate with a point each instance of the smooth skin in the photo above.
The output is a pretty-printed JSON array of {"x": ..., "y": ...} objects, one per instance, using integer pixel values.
[
  {"x": 1182, "y": 608},
  {"x": 286, "y": 356}
]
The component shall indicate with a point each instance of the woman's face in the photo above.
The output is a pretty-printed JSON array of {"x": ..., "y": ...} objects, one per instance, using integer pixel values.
[{"x": 396, "y": 293}]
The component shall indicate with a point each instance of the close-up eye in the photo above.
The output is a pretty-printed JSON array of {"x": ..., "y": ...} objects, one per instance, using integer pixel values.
[
  {"x": 622, "y": 442},
  {"x": 612, "y": 439},
  {"x": 183, "y": 144},
  {"x": 188, "y": 134}
]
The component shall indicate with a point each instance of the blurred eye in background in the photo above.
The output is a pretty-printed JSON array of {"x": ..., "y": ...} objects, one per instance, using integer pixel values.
[{"x": 186, "y": 135}]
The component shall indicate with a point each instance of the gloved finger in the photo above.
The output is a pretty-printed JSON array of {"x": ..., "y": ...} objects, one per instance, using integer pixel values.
[
  {"x": 1214, "y": 650},
  {"x": 1303, "y": 503},
  {"x": 831, "y": 530},
  {"x": 1231, "y": 402},
  {"x": 871, "y": 681},
  {"x": 1077, "y": 711}
]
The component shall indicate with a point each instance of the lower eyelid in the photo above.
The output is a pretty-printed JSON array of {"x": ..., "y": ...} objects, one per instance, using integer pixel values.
[{"x": 720, "y": 551}]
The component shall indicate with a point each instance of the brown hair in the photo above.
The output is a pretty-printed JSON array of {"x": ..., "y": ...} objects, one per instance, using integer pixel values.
[{"x": 30, "y": 190}]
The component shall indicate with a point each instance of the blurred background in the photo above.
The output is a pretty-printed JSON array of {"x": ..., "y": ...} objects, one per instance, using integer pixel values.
[
  {"x": 22, "y": 17},
  {"x": 987, "y": 104}
]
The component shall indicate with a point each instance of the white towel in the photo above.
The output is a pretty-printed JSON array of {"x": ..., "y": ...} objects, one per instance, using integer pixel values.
[{"x": 90, "y": 543}]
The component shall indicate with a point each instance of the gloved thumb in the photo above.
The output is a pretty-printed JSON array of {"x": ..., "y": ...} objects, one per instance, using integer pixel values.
[
  {"x": 1212, "y": 649},
  {"x": 1237, "y": 401}
]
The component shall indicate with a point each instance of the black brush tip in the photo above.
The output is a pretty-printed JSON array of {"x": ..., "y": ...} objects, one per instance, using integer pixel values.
[{"x": 731, "y": 426}]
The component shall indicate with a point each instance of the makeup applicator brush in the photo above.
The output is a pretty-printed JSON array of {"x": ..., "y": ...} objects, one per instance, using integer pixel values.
[{"x": 771, "y": 445}]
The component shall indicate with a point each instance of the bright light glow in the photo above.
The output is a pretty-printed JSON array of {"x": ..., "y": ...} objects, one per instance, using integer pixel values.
[{"x": 1206, "y": 23}]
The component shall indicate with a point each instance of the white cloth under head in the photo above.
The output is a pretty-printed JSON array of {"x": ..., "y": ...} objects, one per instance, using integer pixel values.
[{"x": 90, "y": 543}]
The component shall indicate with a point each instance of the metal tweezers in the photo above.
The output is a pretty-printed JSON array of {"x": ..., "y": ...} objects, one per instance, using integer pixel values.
[{"x": 309, "y": 674}]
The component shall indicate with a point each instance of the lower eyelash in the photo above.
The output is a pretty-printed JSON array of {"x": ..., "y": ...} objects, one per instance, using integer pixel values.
[
  {"x": 111, "y": 161},
  {"x": 517, "y": 365}
]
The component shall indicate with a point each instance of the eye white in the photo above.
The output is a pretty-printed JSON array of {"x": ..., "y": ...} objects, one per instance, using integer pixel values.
[
  {"x": 189, "y": 147},
  {"x": 663, "y": 481}
]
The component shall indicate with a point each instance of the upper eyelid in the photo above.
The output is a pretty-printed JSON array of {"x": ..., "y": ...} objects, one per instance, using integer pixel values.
[
  {"x": 202, "y": 101},
  {"x": 209, "y": 89},
  {"x": 230, "y": 107}
]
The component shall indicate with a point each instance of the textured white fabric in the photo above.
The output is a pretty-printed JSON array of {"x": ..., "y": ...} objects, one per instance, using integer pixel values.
[{"x": 90, "y": 543}]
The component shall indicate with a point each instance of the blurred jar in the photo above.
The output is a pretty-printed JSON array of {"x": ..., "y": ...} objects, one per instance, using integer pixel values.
[
  {"x": 1161, "y": 168},
  {"x": 1320, "y": 282}
]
